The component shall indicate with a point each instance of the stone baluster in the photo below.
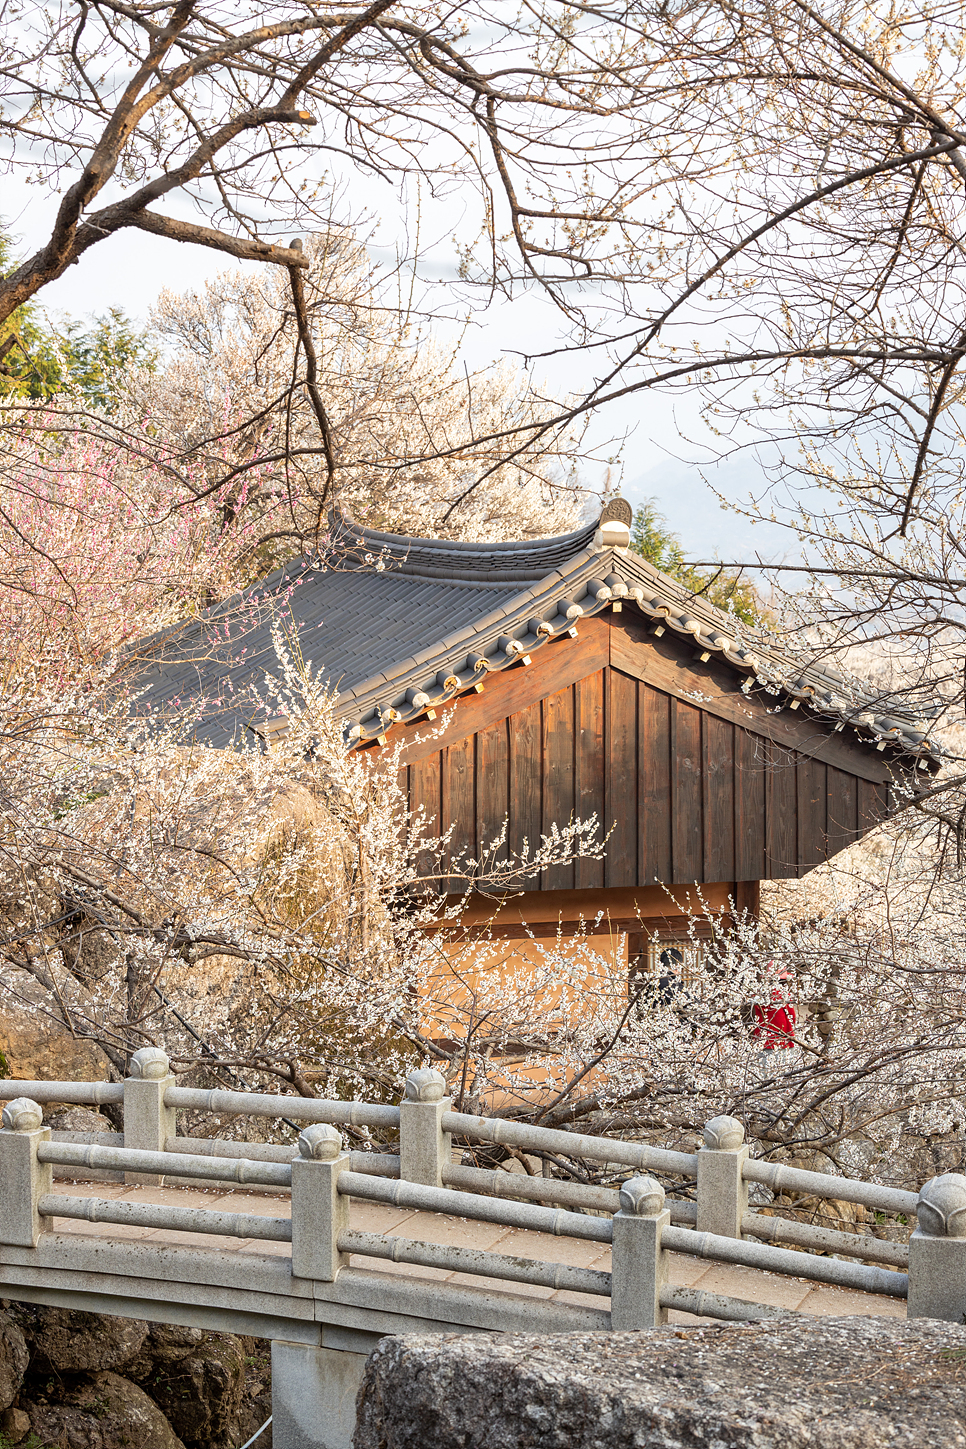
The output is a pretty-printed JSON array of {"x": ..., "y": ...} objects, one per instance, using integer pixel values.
[
  {"x": 314, "y": 1389},
  {"x": 937, "y": 1251},
  {"x": 23, "y": 1180},
  {"x": 148, "y": 1123},
  {"x": 424, "y": 1148},
  {"x": 319, "y": 1211},
  {"x": 722, "y": 1192},
  {"x": 638, "y": 1260}
]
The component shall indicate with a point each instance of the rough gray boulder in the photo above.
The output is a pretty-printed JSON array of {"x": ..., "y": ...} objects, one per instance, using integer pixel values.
[
  {"x": 819, "y": 1383},
  {"x": 78, "y": 1119}
]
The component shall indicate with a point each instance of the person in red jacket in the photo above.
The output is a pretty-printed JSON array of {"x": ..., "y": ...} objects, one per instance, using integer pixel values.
[{"x": 775, "y": 1027}]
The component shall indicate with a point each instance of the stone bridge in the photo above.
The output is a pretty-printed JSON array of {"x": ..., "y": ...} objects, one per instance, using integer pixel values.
[{"x": 325, "y": 1250}]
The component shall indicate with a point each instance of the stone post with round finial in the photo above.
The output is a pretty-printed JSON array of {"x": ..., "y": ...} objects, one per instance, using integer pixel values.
[
  {"x": 314, "y": 1388},
  {"x": 937, "y": 1251},
  {"x": 23, "y": 1180},
  {"x": 424, "y": 1148},
  {"x": 319, "y": 1211},
  {"x": 148, "y": 1123},
  {"x": 638, "y": 1260},
  {"x": 722, "y": 1191}
]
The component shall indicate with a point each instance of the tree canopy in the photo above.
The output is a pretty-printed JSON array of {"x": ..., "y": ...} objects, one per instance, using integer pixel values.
[
  {"x": 37, "y": 360},
  {"x": 653, "y": 539}
]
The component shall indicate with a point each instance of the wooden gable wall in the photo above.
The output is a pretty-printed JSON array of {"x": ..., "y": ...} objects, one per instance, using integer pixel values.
[{"x": 697, "y": 781}]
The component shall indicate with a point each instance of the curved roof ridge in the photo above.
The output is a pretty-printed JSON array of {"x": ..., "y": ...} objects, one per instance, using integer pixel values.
[{"x": 525, "y": 557}]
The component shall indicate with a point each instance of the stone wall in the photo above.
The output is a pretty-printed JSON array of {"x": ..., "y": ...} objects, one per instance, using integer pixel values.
[
  {"x": 95, "y": 1382},
  {"x": 823, "y": 1383}
]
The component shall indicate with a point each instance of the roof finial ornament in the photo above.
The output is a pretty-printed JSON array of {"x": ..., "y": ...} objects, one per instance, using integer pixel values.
[{"x": 614, "y": 528}]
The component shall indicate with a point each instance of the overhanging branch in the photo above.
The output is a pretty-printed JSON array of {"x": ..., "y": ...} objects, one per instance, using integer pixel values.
[{"x": 249, "y": 250}]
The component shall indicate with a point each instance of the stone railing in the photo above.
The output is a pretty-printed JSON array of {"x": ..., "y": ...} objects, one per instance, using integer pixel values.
[{"x": 638, "y": 1221}]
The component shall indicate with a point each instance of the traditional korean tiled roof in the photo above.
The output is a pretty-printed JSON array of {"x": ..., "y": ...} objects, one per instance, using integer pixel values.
[{"x": 398, "y": 626}]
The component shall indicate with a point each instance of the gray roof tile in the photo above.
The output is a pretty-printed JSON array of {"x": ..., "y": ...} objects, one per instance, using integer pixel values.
[{"x": 379, "y": 633}]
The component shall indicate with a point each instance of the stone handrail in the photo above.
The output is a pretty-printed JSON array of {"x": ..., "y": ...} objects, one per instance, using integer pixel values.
[
  {"x": 177, "y": 1164},
  {"x": 381, "y": 1164},
  {"x": 420, "y": 1198},
  {"x": 824, "y": 1240},
  {"x": 718, "y": 1305},
  {"x": 556, "y": 1276},
  {"x": 605, "y": 1199},
  {"x": 500, "y": 1131},
  {"x": 787, "y": 1261},
  {"x": 157, "y": 1215},
  {"x": 265, "y": 1104},
  {"x": 561, "y": 1223},
  {"x": 76, "y": 1094},
  {"x": 472, "y": 1206},
  {"x": 820, "y": 1184},
  {"x": 538, "y": 1189},
  {"x": 223, "y": 1147},
  {"x": 547, "y": 1139},
  {"x": 469, "y": 1260}
]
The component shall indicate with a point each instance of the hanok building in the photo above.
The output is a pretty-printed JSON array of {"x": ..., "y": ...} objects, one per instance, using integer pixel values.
[{"x": 571, "y": 679}]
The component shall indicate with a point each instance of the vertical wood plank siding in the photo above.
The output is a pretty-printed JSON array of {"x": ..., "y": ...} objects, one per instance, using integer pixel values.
[
  {"x": 688, "y": 791},
  {"x": 718, "y": 772},
  {"x": 458, "y": 800},
  {"x": 812, "y": 812},
  {"x": 750, "y": 766},
  {"x": 686, "y": 794},
  {"x": 654, "y": 775},
  {"x": 841, "y": 808},
  {"x": 589, "y": 777},
  {"x": 492, "y": 790},
  {"x": 526, "y": 772},
  {"x": 558, "y": 793},
  {"x": 781, "y": 812},
  {"x": 620, "y": 778},
  {"x": 424, "y": 780}
]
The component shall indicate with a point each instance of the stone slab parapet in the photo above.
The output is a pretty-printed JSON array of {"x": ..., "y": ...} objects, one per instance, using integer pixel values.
[{"x": 831, "y": 1383}]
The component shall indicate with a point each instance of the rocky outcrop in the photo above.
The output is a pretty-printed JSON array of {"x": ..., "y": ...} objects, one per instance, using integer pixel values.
[
  {"x": 65, "y": 1341},
  {"x": 78, "y": 1119},
  {"x": 99, "y": 1411},
  {"x": 90, "y": 1381},
  {"x": 198, "y": 1380},
  {"x": 37, "y": 1048},
  {"x": 14, "y": 1358},
  {"x": 822, "y": 1383}
]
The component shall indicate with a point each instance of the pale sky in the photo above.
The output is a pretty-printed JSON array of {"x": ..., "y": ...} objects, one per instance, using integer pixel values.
[{"x": 642, "y": 433}]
